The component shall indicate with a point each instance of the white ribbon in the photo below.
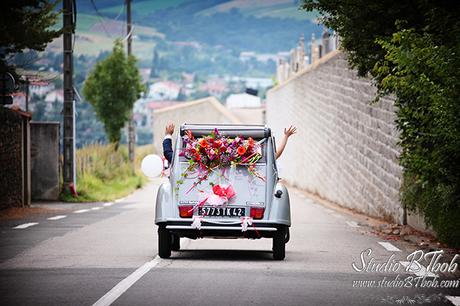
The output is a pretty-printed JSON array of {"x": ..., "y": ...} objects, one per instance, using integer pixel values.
[
  {"x": 197, "y": 222},
  {"x": 245, "y": 222}
]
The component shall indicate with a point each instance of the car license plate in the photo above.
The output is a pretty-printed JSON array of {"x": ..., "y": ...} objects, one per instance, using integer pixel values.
[{"x": 222, "y": 211}]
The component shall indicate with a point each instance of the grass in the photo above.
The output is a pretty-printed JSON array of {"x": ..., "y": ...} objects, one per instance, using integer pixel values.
[
  {"x": 91, "y": 39},
  {"x": 104, "y": 174},
  {"x": 86, "y": 22},
  {"x": 288, "y": 13},
  {"x": 144, "y": 8}
]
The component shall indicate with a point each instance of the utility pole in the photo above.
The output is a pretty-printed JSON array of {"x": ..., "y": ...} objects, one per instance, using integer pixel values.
[
  {"x": 27, "y": 94},
  {"x": 69, "y": 114},
  {"x": 131, "y": 126}
]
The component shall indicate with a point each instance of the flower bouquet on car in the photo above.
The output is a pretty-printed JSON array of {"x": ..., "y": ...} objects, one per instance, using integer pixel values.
[{"x": 216, "y": 153}]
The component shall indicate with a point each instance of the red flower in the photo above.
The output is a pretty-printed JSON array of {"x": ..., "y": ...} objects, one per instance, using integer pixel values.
[
  {"x": 250, "y": 143},
  {"x": 204, "y": 143},
  {"x": 216, "y": 144},
  {"x": 241, "y": 151}
]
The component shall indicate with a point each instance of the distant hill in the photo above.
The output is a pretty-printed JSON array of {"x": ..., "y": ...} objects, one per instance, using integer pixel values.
[
  {"x": 194, "y": 36},
  {"x": 240, "y": 25},
  {"x": 283, "y": 9}
]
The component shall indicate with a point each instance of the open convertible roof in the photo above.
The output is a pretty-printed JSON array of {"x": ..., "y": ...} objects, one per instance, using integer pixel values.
[{"x": 230, "y": 130}]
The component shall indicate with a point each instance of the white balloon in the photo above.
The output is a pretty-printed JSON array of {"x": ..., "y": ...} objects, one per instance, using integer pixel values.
[{"x": 152, "y": 165}]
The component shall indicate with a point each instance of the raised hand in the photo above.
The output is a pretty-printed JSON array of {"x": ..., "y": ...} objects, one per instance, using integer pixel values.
[
  {"x": 169, "y": 130},
  {"x": 290, "y": 131}
]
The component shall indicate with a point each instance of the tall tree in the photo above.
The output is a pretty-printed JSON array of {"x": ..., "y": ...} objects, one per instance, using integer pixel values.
[
  {"x": 26, "y": 24},
  {"x": 112, "y": 88}
]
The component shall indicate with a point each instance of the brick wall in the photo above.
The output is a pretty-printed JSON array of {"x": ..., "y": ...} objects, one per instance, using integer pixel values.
[
  {"x": 207, "y": 110},
  {"x": 346, "y": 148},
  {"x": 11, "y": 159}
]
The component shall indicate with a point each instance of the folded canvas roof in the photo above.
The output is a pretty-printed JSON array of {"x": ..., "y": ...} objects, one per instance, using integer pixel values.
[{"x": 230, "y": 130}]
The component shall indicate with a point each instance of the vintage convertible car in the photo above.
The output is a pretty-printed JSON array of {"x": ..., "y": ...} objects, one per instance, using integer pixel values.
[{"x": 258, "y": 207}]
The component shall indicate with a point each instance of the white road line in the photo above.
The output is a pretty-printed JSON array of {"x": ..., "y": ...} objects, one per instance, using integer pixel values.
[
  {"x": 454, "y": 299},
  {"x": 119, "y": 200},
  {"x": 389, "y": 247},
  {"x": 125, "y": 284},
  {"x": 57, "y": 217},
  {"x": 352, "y": 223},
  {"x": 81, "y": 211},
  {"x": 329, "y": 210},
  {"x": 108, "y": 204},
  {"x": 25, "y": 225},
  {"x": 418, "y": 270},
  {"x": 337, "y": 215},
  {"x": 96, "y": 208}
]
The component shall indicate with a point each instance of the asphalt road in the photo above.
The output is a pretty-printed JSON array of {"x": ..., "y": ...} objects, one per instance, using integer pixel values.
[{"x": 106, "y": 253}]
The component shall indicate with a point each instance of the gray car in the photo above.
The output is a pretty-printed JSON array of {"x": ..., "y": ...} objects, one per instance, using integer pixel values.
[{"x": 260, "y": 208}]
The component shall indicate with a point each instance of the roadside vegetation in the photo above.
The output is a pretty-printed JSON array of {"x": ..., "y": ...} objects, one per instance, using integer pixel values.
[
  {"x": 105, "y": 174},
  {"x": 412, "y": 52}
]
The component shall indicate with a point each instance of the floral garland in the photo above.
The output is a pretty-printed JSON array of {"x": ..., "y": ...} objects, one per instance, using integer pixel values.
[{"x": 216, "y": 151}]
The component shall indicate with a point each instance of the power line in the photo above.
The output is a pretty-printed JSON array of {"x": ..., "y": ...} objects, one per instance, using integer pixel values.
[
  {"x": 121, "y": 11},
  {"x": 100, "y": 18},
  {"x": 129, "y": 34},
  {"x": 123, "y": 26},
  {"x": 74, "y": 22}
]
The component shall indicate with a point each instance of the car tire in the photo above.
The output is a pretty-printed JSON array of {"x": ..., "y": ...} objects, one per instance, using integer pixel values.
[
  {"x": 279, "y": 244},
  {"x": 164, "y": 242},
  {"x": 288, "y": 235},
  {"x": 175, "y": 242}
]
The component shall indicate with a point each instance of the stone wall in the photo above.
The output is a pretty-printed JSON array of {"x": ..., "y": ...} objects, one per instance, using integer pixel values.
[
  {"x": 207, "y": 110},
  {"x": 14, "y": 172},
  {"x": 45, "y": 160},
  {"x": 346, "y": 148}
]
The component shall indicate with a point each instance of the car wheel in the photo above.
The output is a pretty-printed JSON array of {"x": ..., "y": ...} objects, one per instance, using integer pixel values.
[
  {"x": 164, "y": 242},
  {"x": 288, "y": 235},
  {"x": 175, "y": 242},
  {"x": 279, "y": 243}
]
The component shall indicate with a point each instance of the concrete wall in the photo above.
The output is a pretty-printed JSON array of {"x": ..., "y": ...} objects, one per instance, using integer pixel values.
[
  {"x": 207, "y": 110},
  {"x": 14, "y": 158},
  {"x": 249, "y": 115},
  {"x": 346, "y": 148},
  {"x": 45, "y": 160}
]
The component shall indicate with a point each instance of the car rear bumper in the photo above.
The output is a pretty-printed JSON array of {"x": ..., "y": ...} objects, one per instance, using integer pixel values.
[
  {"x": 213, "y": 228},
  {"x": 221, "y": 228}
]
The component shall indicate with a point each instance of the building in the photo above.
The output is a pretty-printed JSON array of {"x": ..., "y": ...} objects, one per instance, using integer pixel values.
[
  {"x": 55, "y": 95},
  {"x": 165, "y": 90},
  {"x": 243, "y": 100},
  {"x": 215, "y": 87}
]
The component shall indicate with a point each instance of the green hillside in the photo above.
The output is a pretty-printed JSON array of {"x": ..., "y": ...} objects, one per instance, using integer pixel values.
[
  {"x": 262, "y": 26},
  {"x": 282, "y": 9}
]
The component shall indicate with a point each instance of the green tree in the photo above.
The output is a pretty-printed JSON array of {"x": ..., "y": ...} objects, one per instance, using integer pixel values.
[
  {"x": 425, "y": 76},
  {"x": 26, "y": 24},
  {"x": 112, "y": 88},
  {"x": 411, "y": 48}
]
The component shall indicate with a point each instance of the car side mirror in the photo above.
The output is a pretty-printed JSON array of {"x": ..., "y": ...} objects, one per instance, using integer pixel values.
[{"x": 152, "y": 166}]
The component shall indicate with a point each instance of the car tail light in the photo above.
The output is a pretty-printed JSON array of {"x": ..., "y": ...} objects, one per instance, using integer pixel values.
[
  {"x": 186, "y": 211},
  {"x": 257, "y": 212}
]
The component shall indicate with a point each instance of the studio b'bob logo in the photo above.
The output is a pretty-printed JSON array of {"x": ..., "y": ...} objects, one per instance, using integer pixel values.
[{"x": 415, "y": 263}]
